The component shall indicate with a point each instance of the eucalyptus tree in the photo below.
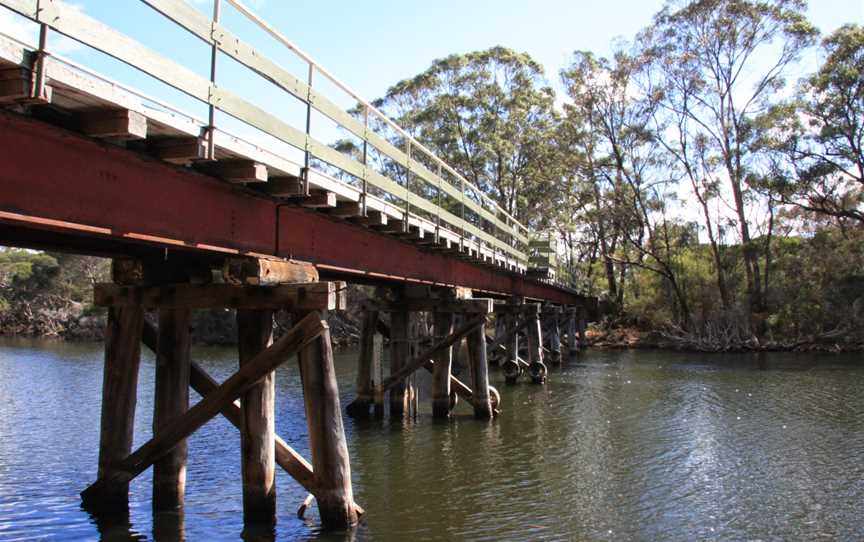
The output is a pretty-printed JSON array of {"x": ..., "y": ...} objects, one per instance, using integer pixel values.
[
  {"x": 627, "y": 170},
  {"x": 490, "y": 115},
  {"x": 824, "y": 133},
  {"x": 720, "y": 66}
]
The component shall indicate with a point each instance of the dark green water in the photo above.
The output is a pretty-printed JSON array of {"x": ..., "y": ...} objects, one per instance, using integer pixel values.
[{"x": 617, "y": 446}]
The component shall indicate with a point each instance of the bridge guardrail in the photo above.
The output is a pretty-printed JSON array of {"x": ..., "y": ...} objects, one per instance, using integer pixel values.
[{"x": 501, "y": 232}]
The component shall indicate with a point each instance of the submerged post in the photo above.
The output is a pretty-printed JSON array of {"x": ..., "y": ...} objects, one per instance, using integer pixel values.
[
  {"x": 441, "y": 403},
  {"x": 535, "y": 351},
  {"x": 399, "y": 348},
  {"x": 582, "y": 324},
  {"x": 257, "y": 428},
  {"x": 119, "y": 395},
  {"x": 360, "y": 406},
  {"x": 171, "y": 401},
  {"x": 572, "y": 339},
  {"x": 512, "y": 367},
  {"x": 554, "y": 335},
  {"x": 377, "y": 376},
  {"x": 327, "y": 443},
  {"x": 479, "y": 372}
]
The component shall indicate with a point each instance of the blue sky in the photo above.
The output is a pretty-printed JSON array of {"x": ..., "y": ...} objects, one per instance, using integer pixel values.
[{"x": 372, "y": 44}]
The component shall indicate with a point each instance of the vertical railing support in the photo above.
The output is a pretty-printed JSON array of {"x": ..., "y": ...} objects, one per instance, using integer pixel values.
[
  {"x": 257, "y": 430},
  {"x": 214, "y": 55}
]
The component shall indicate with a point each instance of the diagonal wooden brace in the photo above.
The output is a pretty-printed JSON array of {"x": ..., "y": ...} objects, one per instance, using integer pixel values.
[
  {"x": 424, "y": 357},
  {"x": 462, "y": 390},
  {"x": 500, "y": 341},
  {"x": 286, "y": 457},
  {"x": 302, "y": 334}
]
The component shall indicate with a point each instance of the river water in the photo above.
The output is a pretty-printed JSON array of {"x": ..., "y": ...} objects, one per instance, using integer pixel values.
[{"x": 643, "y": 445}]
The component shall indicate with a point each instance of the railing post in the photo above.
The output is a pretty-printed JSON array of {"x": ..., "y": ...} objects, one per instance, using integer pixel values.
[
  {"x": 214, "y": 55},
  {"x": 307, "y": 156},
  {"x": 365, "y": 159}
]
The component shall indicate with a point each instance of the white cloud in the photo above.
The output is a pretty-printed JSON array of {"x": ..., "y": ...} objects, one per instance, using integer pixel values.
[{"x": 18, "y": 27}]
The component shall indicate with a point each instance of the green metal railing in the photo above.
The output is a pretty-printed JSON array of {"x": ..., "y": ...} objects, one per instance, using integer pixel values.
[{"x": 498, "y": 230}]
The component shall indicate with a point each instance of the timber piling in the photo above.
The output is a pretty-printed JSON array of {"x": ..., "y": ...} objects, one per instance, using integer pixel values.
[{"x": 327, "y": 477}]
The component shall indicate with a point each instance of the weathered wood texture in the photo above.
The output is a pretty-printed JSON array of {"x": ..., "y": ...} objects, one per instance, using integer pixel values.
[
  {"x": 119, "y": 395},
  {"x": 286, "y": 457},
  {"x": 327, "y": 443},
  {"x": 257, "y": 426},
  {"x": 478, "y": 364},
  {"x": 413, "y": 304},
  {"x": 308, "y": 329},
  {"x": 399, "y": 348},
  {"x": 377, "y": 375},
  {"x": 360, "y": 405},
  {"x": 171, "y": 401},
  {"x": 409, "y": 366},
  {"x": 312, "y": 296},
  {"x": 114, "y": 124},
  {"x": 267, "y": 272},
  {"x": 443, "y": 365}
]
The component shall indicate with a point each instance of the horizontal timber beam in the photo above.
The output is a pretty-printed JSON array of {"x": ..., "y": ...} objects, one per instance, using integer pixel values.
[
  {"x": 478, "y": 306},
  {"x": 101, "y": 197},
  {"x": 305, "y": 296}
]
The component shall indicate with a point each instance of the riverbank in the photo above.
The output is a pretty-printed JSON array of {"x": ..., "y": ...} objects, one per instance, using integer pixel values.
[{"x": 633, "y": 338}]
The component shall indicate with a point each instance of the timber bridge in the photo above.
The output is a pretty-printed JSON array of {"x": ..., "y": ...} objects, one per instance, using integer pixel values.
[{"x": 96, "y": 167}]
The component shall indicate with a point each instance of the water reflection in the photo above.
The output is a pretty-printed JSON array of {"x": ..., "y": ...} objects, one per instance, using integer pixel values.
[{"x": 617, "y": 446}]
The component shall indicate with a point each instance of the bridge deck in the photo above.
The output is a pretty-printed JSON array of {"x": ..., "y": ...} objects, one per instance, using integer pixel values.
[{"x": 158, "y": 184}]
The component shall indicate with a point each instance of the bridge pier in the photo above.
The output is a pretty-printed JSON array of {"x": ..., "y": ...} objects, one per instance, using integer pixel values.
[
  {"x": 552, "y": 333},
  {"x": 329, "y": 480},
  {"x": 447, "y": 306}
]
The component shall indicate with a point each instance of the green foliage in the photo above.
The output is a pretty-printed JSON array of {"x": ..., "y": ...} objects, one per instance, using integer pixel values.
[
  {"x": 489, "y": 115},
  {"x": 44, "y": 292}
]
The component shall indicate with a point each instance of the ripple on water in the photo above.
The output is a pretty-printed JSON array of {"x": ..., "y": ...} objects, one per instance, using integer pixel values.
[{"x": 618, "y": 446}]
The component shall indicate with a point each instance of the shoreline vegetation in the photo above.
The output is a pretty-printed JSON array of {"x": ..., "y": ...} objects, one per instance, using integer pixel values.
[{"x": 48, "y": 295}]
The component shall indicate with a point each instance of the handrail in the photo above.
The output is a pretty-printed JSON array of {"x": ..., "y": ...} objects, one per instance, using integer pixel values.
[
  {"x": 73, "y": 23},
  {"x": 345, "y": 88}
]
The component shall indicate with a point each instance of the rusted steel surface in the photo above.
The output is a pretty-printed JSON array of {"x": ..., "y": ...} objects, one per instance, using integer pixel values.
[{"x": 52, "y": 180}]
